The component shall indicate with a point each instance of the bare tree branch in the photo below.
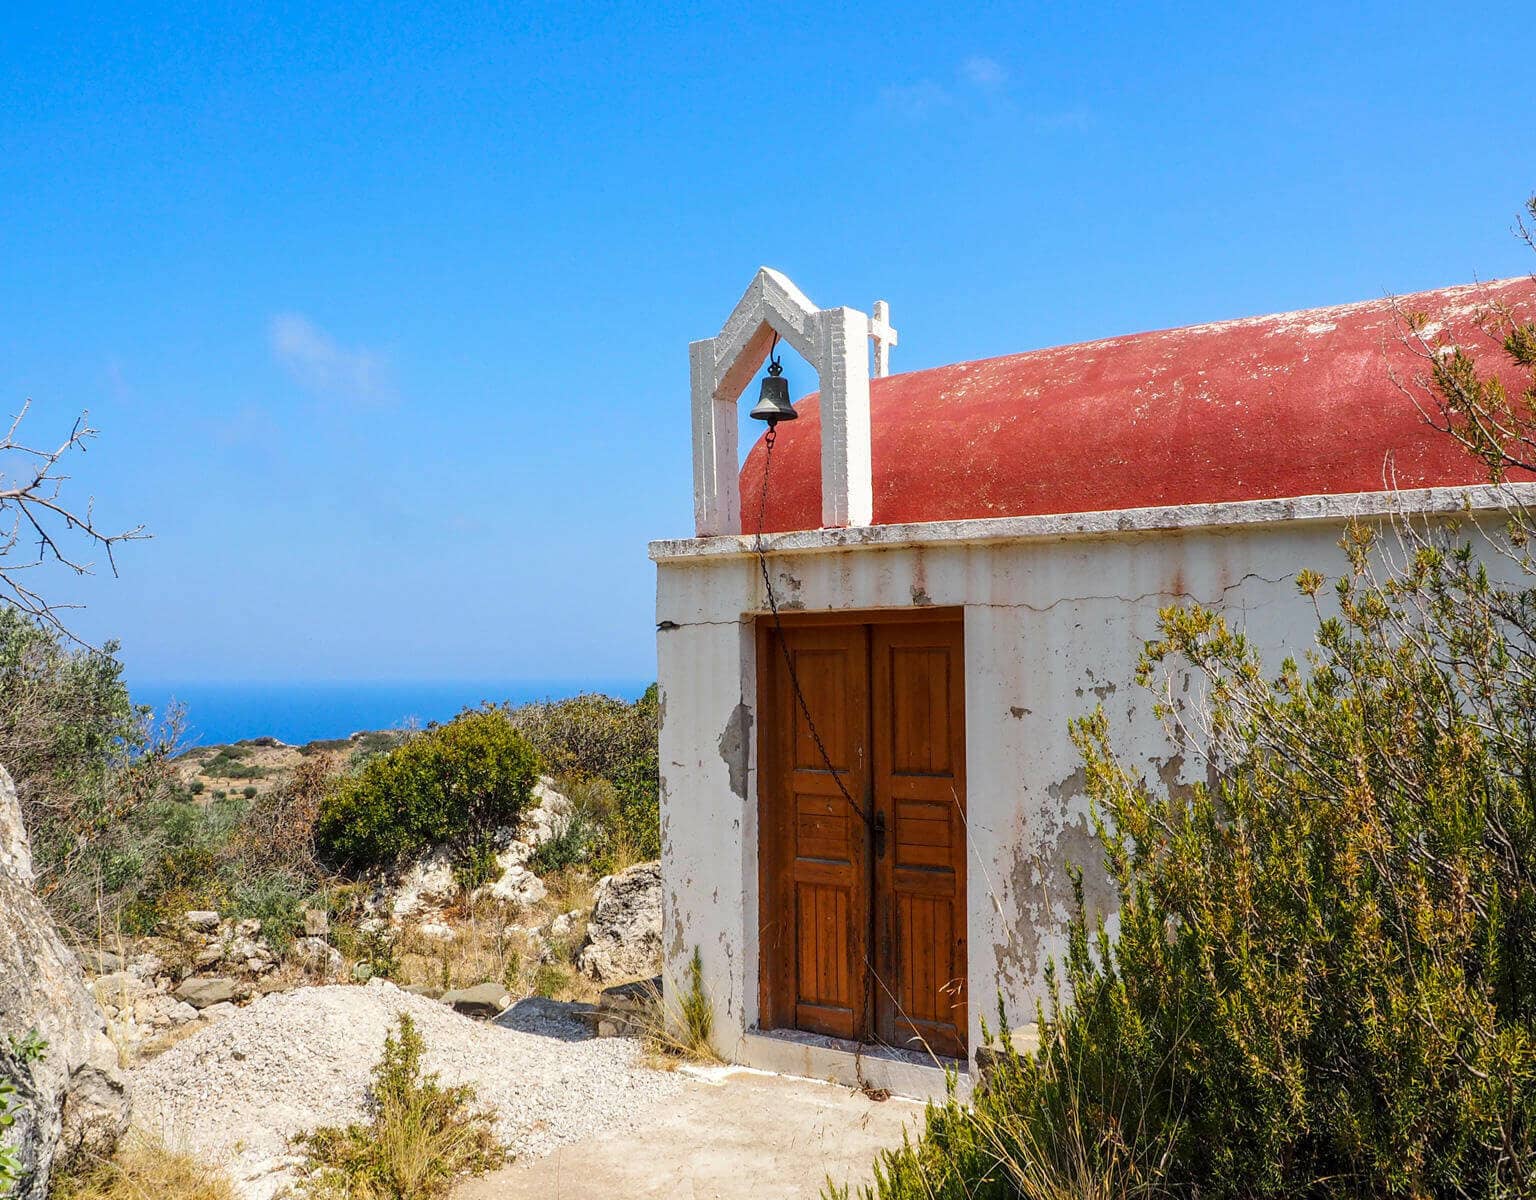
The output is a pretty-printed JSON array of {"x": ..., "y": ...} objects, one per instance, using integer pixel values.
[{"x": 39, "y": 526}]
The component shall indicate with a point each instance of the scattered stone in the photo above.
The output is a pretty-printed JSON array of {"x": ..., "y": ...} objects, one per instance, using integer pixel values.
[
  {"x": 217, "y": 1012},
  {"x": 482, "y": 1000},
  {"x": 209, "y": 955},
  {"x": 426, "y": 888},
  {"x": 1024, "y": 1042},
  {"x": 423, "y": 989},
  {"x": 118, "y": 990},
  {"x": 421, "y": 894},
  {"x": 362, "y": 972},
  {"x": 640, "y": 996},
  {"x": 534, "y": 1012},
  {"x": 519, "y": 885},
  {"x": 98, "y": 961},
  {"x": 439, "y": 931},
  {"x": 182, "y": 1012},
  {"x": 205, "y": 991},
  {"x": 202, "y": 921},
  {"x": 314, "y": 954},
  {"x": 317, "y": 923},
  {"x": 547, "y": 817},
  {"x": 146, "y": 966},
  {"x": 627, "y": 1009},
  {"x": 624, "y": 933},
  {"x": 73, "y": 1102}
]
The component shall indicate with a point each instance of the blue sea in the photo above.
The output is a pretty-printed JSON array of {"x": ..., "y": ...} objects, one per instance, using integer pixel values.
[{"x": 217, "y": 713}]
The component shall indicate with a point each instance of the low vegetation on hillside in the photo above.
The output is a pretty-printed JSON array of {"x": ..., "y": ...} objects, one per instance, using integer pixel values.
[
  {"x": 1324, "y": 977},
  {"x": 602, "y": 753},
  {"x": 130, "y": 832}
]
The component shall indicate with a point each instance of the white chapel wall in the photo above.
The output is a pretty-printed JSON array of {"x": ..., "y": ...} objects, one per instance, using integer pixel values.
[{"x": 1052, "y": 627}]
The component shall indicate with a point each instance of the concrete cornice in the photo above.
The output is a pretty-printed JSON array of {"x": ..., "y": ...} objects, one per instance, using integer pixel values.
[{"x": 1062, "y": 526}]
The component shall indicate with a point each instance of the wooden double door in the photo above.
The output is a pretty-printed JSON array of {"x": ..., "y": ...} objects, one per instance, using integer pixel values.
[{"x": 863, "y": 906}]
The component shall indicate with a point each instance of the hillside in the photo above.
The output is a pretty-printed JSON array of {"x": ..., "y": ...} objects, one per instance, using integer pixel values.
[{"x": 262, "y": 764}]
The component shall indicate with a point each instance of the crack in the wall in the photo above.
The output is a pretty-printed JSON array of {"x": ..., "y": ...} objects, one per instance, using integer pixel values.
[
  {"x": 798, "y": 604},
  {"x": 1160, "y": 594}
]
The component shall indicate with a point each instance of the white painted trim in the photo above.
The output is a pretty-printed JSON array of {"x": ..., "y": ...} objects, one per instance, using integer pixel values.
[
  {"x": 1055, "y": 527},
  {"x": 834, "y": 342}
]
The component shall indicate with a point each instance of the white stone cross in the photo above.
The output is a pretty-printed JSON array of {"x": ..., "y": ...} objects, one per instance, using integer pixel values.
[{"x": 883, "y": 336}]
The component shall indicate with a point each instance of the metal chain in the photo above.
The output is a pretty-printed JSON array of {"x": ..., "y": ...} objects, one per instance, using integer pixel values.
[{"x": 778, "y": 629}]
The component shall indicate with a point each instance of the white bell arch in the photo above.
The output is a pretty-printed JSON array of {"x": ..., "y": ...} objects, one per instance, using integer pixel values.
[{"x": 833, "y": 341}]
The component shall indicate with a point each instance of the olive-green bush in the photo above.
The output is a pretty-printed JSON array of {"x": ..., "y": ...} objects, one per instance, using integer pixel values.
[
  {"x": 602, "y": 752},
  {"x": 85, "y": 759},
  {"x": 452, "y": 784},
  {"x": 1324, "y": 978}
]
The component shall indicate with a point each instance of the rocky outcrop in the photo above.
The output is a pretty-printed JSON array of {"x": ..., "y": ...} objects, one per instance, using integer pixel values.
[
  {"x": 624, "y": 932},
  {"x": 201, "y": 965},
  {"x": 53, "y": 1037},
  {"x": 421, "y": 893}
]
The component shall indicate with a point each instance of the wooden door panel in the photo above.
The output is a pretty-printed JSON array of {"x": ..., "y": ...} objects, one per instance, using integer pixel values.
[
  {"x": 917, "y": 714},
  {"x": 918, "y": 696},
  {"x": 815, "y": 872},
  {"x": 857, "y": 945}
]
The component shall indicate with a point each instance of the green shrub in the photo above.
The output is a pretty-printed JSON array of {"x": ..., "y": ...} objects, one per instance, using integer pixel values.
[
  {"x": 83, "y": 757},
  {"x": 378, "y": 741},
  {"x": 196, "y": 787},
  {"x": 602, "y": 752},
  {"x": 10, "y": 1157},
  {"x": 453, "y": 784},
  {"x": 1324, "y": 980},
  {"x": 1324, "y": 977},
  {"x": 590, "y": 735},
  {"x": 569, "y": 846},
  {"x": 638, "y": 789},
  {"x": 273, "y": 899},
  {"x": 324, "y": 745},
  {"x": 419, "y": 1139}
]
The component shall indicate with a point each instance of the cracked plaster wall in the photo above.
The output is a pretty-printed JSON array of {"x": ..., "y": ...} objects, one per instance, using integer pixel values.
[{"x": 1052, "y": 628}]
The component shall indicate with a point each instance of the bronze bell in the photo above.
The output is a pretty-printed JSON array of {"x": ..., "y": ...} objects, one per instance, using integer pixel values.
[{"x": 773, "y": 403}]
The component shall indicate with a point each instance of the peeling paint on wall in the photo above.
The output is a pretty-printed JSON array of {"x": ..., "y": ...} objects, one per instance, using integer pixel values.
[
  {"x": 1053, "y": 628},
  {"x": 734, "y": 745}
]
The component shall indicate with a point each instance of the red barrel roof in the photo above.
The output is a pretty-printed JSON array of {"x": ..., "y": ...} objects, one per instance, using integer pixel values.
[{"x": 1296, "y": 404}]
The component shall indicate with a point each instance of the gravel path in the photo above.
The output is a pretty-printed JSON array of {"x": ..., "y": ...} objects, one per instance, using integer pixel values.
[{"x": 235, "y": 1093}]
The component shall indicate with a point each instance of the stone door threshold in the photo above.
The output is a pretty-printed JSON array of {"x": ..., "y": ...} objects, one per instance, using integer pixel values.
[{"x": 906, "y": 1073}]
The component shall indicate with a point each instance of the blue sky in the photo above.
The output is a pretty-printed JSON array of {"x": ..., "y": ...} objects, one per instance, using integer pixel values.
[{"x": 383, "y": 311}]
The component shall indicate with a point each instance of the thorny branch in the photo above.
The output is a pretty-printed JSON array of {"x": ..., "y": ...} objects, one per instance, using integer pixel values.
[{"x": 38, "y": 525}]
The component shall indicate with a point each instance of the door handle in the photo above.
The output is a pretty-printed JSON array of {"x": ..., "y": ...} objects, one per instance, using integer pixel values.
[{"x": 879, "y": 835}]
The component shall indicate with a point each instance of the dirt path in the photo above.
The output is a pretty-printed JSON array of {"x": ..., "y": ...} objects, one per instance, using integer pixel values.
[{"x": 727, "y": 1134}]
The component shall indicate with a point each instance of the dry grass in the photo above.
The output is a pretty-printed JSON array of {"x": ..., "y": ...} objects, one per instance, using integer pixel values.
[
  {"x": 489, "y": 945},
  {"x": 144, "y": 1169},
  {"x": 162, "y": 1042},
  {"x": 681, "y": 1031}
]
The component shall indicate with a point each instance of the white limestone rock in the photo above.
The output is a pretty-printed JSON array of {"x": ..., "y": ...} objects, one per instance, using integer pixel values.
[
  {"x": 518, "y": 885},
  {"x": 314, "y": 954},
  {"x": 73, "y": 1101},
  {"x": 624, "y": 934}
]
